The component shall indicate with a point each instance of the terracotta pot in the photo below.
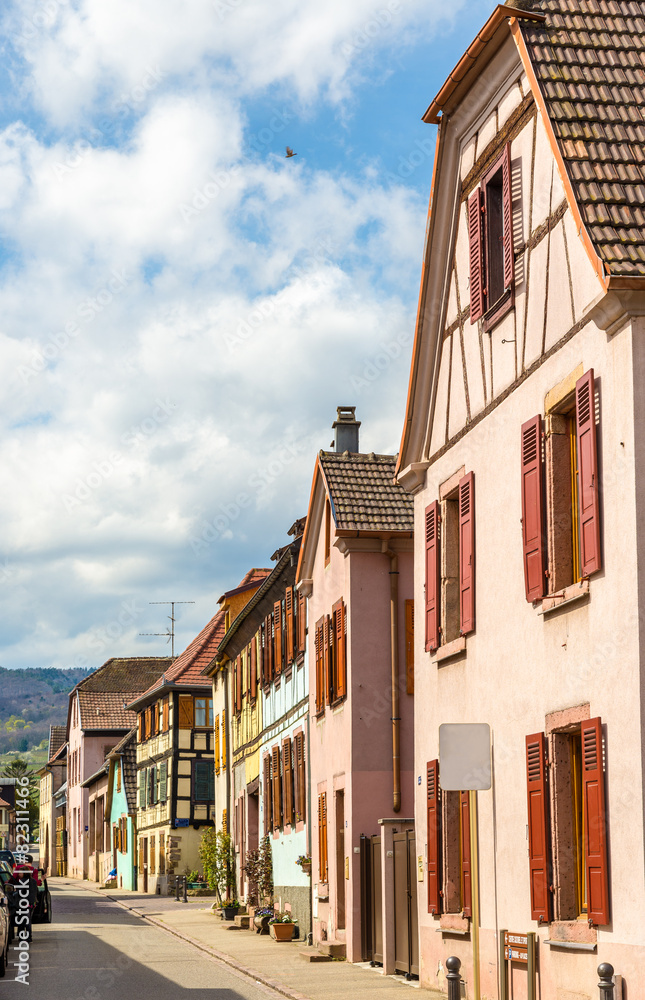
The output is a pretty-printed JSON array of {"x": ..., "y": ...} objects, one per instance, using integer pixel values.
[
  {"x": 282, "y": 932},
  {"x": 306, "y": 867}
]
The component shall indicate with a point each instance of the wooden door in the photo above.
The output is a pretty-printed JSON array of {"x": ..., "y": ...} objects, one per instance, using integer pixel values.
[
  {"x": 406, "y": 930},
  {"x": 377, "y": 903},
  {"x": 340, "y": 861}
]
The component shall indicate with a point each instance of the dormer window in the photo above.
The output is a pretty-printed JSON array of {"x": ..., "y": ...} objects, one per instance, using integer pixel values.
[{"x": 490, "y": 240}]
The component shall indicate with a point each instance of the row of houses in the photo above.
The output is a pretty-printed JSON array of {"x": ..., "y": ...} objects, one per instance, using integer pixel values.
[{"x": 509, "y": 527}]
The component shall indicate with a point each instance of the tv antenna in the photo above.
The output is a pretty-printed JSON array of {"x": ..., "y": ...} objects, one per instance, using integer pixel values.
[{"x": 170, "y": 632}]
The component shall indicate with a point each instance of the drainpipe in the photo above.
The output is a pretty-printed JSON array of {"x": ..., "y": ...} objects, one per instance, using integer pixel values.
[{"x": 394, "y": 655}]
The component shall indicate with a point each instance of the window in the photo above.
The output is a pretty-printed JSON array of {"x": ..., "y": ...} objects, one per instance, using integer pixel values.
[
  {"x": 204, "y": 712},
  {"x": 203, "y": 781},
  {"x": 323, "y": 867},
  {"x": 560, "y": 496},
  {"x": 567, "y": 824},
  {"x": 490, "y": 239},
  {"x": 448, "y": 830},
  {"x": 450, "y": 565}
]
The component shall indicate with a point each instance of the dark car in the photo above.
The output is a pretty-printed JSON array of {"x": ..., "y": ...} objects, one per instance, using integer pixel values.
[{"x": 8, "y": 856}]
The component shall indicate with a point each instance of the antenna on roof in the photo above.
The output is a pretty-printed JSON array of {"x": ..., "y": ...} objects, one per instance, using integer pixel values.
[{"x": 170, "y": 632}]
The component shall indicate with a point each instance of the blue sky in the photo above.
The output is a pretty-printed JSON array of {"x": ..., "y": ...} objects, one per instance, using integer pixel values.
[{"x": 182, "y": 308}]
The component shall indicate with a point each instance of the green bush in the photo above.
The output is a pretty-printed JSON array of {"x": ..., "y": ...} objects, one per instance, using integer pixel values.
[{"x": 218, "y": 862}]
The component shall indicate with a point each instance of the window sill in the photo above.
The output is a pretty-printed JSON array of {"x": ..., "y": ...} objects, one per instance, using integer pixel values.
[
  {"x": 572, "y": 934},
  {"x": 499, "y": 309},
  {"x": 450, "y": 649},
  {"x": 571, "y": 945},
  {"x": 576, "y": 592},
  {"x": 453, "y": 923}
]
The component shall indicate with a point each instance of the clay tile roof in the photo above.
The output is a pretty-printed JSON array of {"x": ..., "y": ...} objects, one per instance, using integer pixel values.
[
  {"x": 103, "y": 694},
  {"x": 57, "y": 737},
  {"x": 588, "y": 57},
  {"x": 364, "y": 494},
  {"x": 5, "y": 805}
]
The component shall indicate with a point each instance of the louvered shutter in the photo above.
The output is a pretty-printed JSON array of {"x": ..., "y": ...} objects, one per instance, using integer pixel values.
[
  {"x": 276, "y": 791},
  {"x": 141, "y": 856},
  {"x": 149, "y": 722},
  {"x": 139, "y": 729},
  {"x": 288, "y": 604},
  {"x": 320, "y": 670},
  {"x": 163, "y": 781},
  {"x": 589, "y": 506},
  {"x": 595, "y": 830},
  {"x": 299, "y": 741},
  {"x": 409, "y": 647},
  {"x": 217, "y": 750},
  {"x": 269, "y": 648},
  {"x": 185, "y": 711},
  {"x": 153, "y": 786},
  {"x": 166, "y": 714},
  {"x": 142, "y": 789},
  {"x": 339, "y": 619},
  {"x": 533, "y": 509},
  {"x": 302, "y": 622},
  {"x": 254, "y": 668},
  {"x": 266, "y": 794},
  {"x": 322, "y": 836},
  {"x": 327, "y": 658},
  {"x": 507, "y": 201},
  {"x": 277, "y": 634},
  {"x": 238, "y": 683},
  {"x": 466, "y": 887},
  {"x": 476, "y": 253},
  {"x": 433, "y": 576},
  {"x": 433, "y": 797},
  {"x": 287, "y": 781},
  {"x": 223, "y": 739},
  {"x": 202, "y": 781},
  {"x": 539, "y": 831},
  {"x": 467, "y": 552}
]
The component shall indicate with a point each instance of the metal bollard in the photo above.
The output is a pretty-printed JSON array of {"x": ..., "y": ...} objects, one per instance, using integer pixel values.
[
  {"x": 185, "y": 889},
  {"x": 453, "y": 966},
  {"x": 176, "y": 888},
  {"x": 606, "y": 987}
]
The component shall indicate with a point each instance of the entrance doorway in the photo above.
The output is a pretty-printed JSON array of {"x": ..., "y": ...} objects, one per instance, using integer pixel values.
[
  {"x": 340, "y": 860},
  {"x": 406, "y": 929}
]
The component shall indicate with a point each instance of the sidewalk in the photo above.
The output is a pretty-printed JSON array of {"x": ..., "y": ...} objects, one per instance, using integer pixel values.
[{"x": 277, "y": 965}]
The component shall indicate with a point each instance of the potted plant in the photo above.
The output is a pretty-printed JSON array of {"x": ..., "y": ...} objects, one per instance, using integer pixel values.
[
  {"x": 305, "y": 863},
  {"x": 261, "y": 918},
  {"x": 195, "y": 881},
  {"x": 218, "y": 861},
  {"x": 259, "y": 873},
  {"x": 283, "y": 926},
  {"x": 230, "y": 908}
]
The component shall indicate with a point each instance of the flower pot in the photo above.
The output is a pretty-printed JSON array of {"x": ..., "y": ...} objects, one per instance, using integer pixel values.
[
  {"x": 229, "y": 912},
  {"x": 261, "y": 923},
  {"x": 197, "y": 885},
  {"x": 282, "y": 932},
  {"x": 306, "y": 867}
]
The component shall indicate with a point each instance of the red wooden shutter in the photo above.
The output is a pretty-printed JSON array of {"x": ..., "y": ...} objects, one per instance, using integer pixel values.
[
  {"x": 266, "y": 796},
  {"x": 507, "y": 201},
  {"x": 433, "y": 577},
  {"x": 587, "y": 475},
  {"x": 287, "y": 781},
  {"x": 299, "y": 741},
  {"x": 268, "y": 638},
  {"x": 253, "y": 685},
  {"x": 467, "y": 552},
  {"x": 276, "y": 789},
  {"x": 340, "y": 649},
  {"x": 409, "y": 647},
  {"x": 320, "y": 674},
  {"x": 238, "y": 683},
  {"x": 533, "y": 509},
  {"x": 302, "y": 622},
  {"x": 464, "y": 818},
  {"x": 277, "y": 636},
  {"x": 327, "y": 660},
  {"x": 288, "y": 604},
  {"x": 476, "y": 250},
  {"x": 539, "y": 831},
  {"x": 434, "y": 836},
  {"x": 595, "y": 832}
]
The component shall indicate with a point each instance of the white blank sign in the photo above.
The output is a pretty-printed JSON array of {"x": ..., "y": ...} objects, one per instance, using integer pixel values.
[{"x": 464, "y": 756}]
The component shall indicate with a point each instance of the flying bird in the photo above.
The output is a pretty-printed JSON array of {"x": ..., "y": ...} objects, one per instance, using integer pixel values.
[{"x": 290, "y": 152}]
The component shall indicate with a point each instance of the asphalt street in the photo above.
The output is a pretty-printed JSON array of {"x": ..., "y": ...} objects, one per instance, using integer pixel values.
[{"x": 95, "y": 950}]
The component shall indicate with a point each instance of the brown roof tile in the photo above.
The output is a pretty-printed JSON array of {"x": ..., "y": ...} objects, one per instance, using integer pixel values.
[
  {"x": 57, "y": 737},
  {"x": 105, "y": 709},
  {"x": 132, "y": 673},
  {"x": 588, "y": 59},
  {"x": 364, "y": 494}
]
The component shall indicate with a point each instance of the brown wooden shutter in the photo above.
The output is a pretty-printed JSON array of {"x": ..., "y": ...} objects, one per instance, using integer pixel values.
[
  {"x": 185, "y": 711},
  {"x": 287, "y": 780},
  {"x": 302, "y": 622},
  {"x": 539, "y": 831},
  {"x": 238, "y": 683},
  {"x": 433, "y": 795},
  {"x": 595, "y": 830},
  {"x": 301, "y": 798},
  {"x": 409, "y": 646},
  {"x": 139, "y": 730},
  {"x": 254, "y": 668},
  {"x": 433, "y": 576},
  {"x": 322, "y": 837},
  {"x": 149, "y": 729},
  {"x": 466, "y": 887},
  {"x": 276, "y": 790},
  {"x": 320, "y": 673},
  {"x": 507, "y": 202},
  {"x": 277, "y": 636},
  {"x": 266, "y": 794},
  {"x": 270, "y": 647},
  {"x": 476, "y": 251},
  {"x": 339, "y": 619},
  {"x": 290, "y": 643},
  {"x": 166, "y": 714},
  {"x": 533, "y": 509},
  {"x": 588, "y": 501},
  {"x": 327, "y": 659},
  {"x": 467, "y": 552}
]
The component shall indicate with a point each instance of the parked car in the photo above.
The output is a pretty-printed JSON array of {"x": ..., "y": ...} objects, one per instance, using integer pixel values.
[
  {"x": 8, "y": 856},
  {"x": 5, "y": 931}
]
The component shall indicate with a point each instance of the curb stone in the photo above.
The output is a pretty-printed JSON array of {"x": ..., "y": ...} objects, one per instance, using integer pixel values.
[{"x": 221, "y": 956}]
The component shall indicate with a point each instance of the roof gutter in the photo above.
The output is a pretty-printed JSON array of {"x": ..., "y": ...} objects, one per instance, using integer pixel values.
[{"x": 500, "y": 14}]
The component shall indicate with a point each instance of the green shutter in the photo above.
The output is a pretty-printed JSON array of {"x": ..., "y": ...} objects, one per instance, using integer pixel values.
[
  {"x": 211, "y": 783},
  {"x": 202, "y": 781},
  {"x": 153, "y": 785},
  {"x": 163, "y": 781},
  {"x": 142, "y": 789}
]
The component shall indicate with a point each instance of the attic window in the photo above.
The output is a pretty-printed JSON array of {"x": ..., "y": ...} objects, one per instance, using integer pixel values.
[{"x": 490, "y": 238}]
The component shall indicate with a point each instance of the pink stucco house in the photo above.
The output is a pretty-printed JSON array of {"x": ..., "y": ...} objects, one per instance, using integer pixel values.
[
  {"x": 523, "y": 449},
  {"x": 355, "y": 569},
  {"x": 97, "y": 719}
]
